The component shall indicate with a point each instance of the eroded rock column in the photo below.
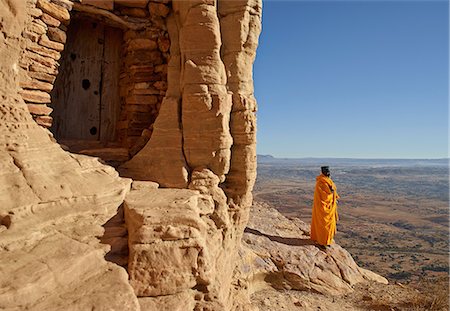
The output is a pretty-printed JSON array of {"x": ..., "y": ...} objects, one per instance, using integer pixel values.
[
  {"x": 197, "y": 86},
  {"x": 206, "y": 103},
  {"x": 204, "y": 138},
  {"x": 240, "y": 23}
]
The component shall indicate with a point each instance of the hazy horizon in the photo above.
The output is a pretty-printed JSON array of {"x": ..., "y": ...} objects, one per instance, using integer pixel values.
[{"x": 350, "y": 158}]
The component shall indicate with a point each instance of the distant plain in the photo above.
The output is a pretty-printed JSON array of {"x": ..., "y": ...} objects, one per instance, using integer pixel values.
[{"x": 394, "y": 214}]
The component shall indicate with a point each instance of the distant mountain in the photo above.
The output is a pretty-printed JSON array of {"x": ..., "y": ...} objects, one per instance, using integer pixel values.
[{"x": 269, "y": 159}]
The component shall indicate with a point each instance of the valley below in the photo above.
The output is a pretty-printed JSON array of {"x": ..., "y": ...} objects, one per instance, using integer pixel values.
[{"x": 393, "y": 213}]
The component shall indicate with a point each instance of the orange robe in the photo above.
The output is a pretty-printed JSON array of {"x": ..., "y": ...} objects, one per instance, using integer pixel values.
[{"x": 324, "y": 213}]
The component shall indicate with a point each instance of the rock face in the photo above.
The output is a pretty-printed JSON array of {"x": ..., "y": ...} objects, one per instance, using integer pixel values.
[
  {"x": 52, "y": 206},
  {"x": 167, "y": 240},
  {"x": 278, "y": 252},
  {"x": 205, "y": 135},
  {"x": 68, "y": 223},
  {"x": 209, "y": 79}
]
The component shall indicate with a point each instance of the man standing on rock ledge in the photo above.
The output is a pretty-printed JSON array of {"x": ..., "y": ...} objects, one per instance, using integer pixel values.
[{"x": 324, "y": 213}]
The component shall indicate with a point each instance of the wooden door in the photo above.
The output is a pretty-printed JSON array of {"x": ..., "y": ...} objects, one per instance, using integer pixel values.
[
  {"x": 110, "y": 99},
  {"x": 86, "y": 95}
]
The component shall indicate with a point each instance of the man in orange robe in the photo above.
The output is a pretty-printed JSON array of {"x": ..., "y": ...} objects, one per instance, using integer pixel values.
[{"x": 324, "y": 213}]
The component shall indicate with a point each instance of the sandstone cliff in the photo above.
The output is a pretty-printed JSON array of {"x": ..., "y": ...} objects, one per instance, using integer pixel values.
[
  {"x": 52, "y": 205},
  {"x": 164, "y": 88},
  {"x": 57, "y": 207}
]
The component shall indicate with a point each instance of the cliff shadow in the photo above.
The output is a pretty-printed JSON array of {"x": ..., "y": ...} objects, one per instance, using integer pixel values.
[
  {"x": 283, "y": 240},
  {"x": 116, "y": 235}
]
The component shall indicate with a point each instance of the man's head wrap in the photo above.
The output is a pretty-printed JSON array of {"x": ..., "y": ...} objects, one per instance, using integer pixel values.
[{"x": 325, "y": 170}]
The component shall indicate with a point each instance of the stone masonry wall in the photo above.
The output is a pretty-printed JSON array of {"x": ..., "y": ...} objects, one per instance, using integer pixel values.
[
  {"x": 143, "y": 80},
  {"x": 45, "y": 36}
]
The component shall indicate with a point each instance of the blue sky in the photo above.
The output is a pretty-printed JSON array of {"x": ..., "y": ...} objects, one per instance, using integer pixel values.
[{"x": 359, "y": 79}]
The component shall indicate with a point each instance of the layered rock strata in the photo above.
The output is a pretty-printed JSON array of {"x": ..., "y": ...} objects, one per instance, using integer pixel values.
[{"x": 52, "y": 206}]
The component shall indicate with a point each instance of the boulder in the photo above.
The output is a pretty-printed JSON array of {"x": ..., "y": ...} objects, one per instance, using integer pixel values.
[{"x": 288, "y": 259}]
